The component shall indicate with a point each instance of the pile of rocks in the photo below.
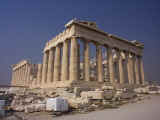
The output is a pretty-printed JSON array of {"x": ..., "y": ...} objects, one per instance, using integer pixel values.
[
  {"x": 79, "y": 98},
  {"x": 28, "y": 103},
  {"x": 151, "y": 89}
]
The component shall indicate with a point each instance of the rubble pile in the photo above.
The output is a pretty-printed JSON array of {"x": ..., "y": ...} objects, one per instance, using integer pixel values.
[
  {"x": 28, "y": 103},
  {"x": 81, "y": 99}
]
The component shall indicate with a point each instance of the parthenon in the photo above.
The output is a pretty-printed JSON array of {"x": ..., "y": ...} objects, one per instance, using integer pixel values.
[{"x": 67, "y": 59}]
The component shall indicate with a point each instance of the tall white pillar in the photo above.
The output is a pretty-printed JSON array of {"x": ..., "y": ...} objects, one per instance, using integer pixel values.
[
  {"x": 121, "y": 69},
  {"x": 86, "y": 61},
  {"x": 57, "y": 63},
  {"x": 50, "y": 66},
  {"x": 44, "y": 68},
  {"x": 141, "y": 70},
  {"x": 99, "y": 63},
  {"x": 74, "y": 60},
  {"x": 65, "y": 62},
  {"x": 111, "y": 64}
]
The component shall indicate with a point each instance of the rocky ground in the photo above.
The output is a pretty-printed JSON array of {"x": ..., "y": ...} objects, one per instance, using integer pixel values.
[
  {"x": 31, "y": 104},
  {"x": 146, "y": 109}
]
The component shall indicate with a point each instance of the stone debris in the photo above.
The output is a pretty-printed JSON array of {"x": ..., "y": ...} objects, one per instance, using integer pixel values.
[
  {"x": 34, "y": 108},
  {"x": 93, "y": 95},
  {"x": 79, "y": 99},
  {"x": 78, "y": 102}
]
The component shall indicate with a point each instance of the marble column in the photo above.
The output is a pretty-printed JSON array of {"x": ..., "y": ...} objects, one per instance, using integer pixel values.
[
  {"x": 110, "y": 64},
  {"x": 57, "y": 63},
  {"x": 44, "y": 68},
  {"x": 129, "y": 68},
  {"x": 65, "y": 61},
  {"x": 50, "y": 66},
  {"x": 121, "y": 69},
  {"x": 99, "y": 63},
  {"x": 22, "y": 69},
  {"x": 39, "y": 74},
  {"x": 16, "y": 78},
  {"x": 20, "y": 77},
  {"x": 23, "y": 75},
  {"x": 73, "y": 60},
  {"x": 141, "y": 70},
  {"x": 13, "y": 77},
  {"x": 27, "y": 74},
  {"x": 86, "y": 61},
  {"x": 116, "y": 66},
  {"x": 78, "y": 60},
  {"x": 18, "y": 74},
  {"x": 137, "y": 70},
  {"x": 133, "y": 69},
  {"x": 125, "y": 66}
]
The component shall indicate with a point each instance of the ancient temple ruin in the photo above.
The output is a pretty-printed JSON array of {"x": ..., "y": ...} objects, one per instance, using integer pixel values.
[{"x": 67, "y": 60}]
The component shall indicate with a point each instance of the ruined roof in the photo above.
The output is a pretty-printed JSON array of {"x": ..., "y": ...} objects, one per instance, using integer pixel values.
[
  {"x": 88, "y": 23},
  {"x": 93, "y": 26}
]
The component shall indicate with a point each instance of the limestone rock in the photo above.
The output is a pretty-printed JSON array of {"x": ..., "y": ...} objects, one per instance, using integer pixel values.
[
  {"x": 29, "y": 99},
  {"x": 108, "y": 94},
  {"x": 78, "y": 102},
  {"x": 34, "y": 108},
  {"x": 141, "y": 90},
  {"x": 93, "y": 94},
  {"x": 19, "y": 108},
  {"x": 107, "y": 87}
]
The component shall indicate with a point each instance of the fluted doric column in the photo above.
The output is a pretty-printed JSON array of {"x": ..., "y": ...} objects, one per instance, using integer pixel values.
[
  {"x": 18, "y": 76},
  {"x": 99, "y": 63},
  {"x": 129, "y": 69},
  {"x": 65, "y": 61},
  {"x": 137, "y": 70},
  {"x": 78, "y": 60},
  {"x": 27, "y": 74},
  {"x": 110, "y": 64},
  {"x": 86, "y": 61},
  {"x": 121, "y": 69},
  {"x": 16, "y": 79},
  {"x": 23, "y": 75},
  {"x": 57, "y": 63},
  {"x": 44, "y": 67},
  {"x": 141, "y": 70},
  {"x": 116, "y": 66},
  {"x": 74, "y": 60},
  {"x": 133, "y": 69},
  {"x": 39, "y": 74},
  {"x": 50, "y": 66},
  {"x": 13, "y": 77}
]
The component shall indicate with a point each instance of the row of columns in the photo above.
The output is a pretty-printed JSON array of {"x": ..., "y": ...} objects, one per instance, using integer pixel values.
[
  {"x": 57, "y": 65},
  {"x": 20, "y": 76},
  {"x": 130, "y": 69}
]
